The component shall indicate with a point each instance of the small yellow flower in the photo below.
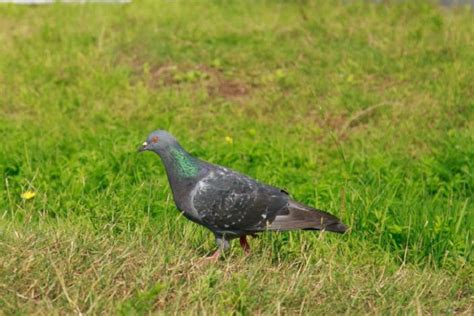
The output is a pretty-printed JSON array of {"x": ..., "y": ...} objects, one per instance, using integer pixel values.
[
  {"x": 28, "y": 195},
  {"x": 229, "y": 140}
]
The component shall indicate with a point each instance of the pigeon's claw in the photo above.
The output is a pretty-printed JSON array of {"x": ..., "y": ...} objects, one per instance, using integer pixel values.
[
  {"x": 212, "y": 258},
  {"x": 216, "y": 255},
  {"x": 203, "y": 261}
]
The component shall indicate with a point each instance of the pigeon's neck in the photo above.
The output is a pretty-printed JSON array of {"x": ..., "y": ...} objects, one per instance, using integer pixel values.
[{"x": 179, "y": 163}]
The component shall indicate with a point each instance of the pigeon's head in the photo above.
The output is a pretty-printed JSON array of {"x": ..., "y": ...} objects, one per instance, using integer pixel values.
[{"x": 157, "y": 141}]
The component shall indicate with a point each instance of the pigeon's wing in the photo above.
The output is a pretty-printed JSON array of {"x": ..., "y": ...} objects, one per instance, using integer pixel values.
[
  {"x": 228, "y": 201},
  {"x": 299, "y": 216}
]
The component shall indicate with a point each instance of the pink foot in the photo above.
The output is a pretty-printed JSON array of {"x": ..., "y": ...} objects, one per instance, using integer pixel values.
[
  {"x": 214, "y": 256},
  {"x": 210, "y": 259}
]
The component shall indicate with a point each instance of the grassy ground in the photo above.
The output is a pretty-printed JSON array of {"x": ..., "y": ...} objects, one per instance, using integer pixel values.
[{"x": 365, "y": 110}]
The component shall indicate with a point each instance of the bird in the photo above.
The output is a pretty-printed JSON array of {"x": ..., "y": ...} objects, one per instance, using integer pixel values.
[{"x": 228, "y": 203}]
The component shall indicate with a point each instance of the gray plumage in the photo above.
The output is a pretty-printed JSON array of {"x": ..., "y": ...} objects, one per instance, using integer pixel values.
[{"x": 229, "y": 203}]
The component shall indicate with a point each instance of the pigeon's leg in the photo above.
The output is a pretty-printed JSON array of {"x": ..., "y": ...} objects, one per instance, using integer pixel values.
[
  {"x": 222, "y": 246},
  {"x": 244, "y": 244}
]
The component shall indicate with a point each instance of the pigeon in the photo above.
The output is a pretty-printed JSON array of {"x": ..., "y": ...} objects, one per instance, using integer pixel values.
[{"x": 228, "y": 203}]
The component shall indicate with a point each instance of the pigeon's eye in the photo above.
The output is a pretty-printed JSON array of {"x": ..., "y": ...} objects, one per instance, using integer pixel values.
[{"x": 154, "y": 139}]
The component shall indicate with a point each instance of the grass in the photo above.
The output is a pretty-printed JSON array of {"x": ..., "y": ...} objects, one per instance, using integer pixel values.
[{"x": 363, "y": 109}]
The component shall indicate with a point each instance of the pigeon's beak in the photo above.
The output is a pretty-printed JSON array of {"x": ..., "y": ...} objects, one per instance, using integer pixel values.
[{"x": 143, "y": 147}]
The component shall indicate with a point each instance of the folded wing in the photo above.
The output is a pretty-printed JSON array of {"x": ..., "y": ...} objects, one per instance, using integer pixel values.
[
  {"x": 228, "y": 201},
  {"x": 300, "y": 216}
]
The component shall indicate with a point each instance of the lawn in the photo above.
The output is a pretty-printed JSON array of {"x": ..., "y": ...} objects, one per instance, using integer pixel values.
[{"x": 362, "y": 109}]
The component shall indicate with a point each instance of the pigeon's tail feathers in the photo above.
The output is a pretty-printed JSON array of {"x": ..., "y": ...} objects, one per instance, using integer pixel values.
[{"x": 299, "y": 216}]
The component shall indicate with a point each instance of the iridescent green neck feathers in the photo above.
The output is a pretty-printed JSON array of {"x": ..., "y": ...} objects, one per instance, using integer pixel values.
[{"x": 183, "y": 163}]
